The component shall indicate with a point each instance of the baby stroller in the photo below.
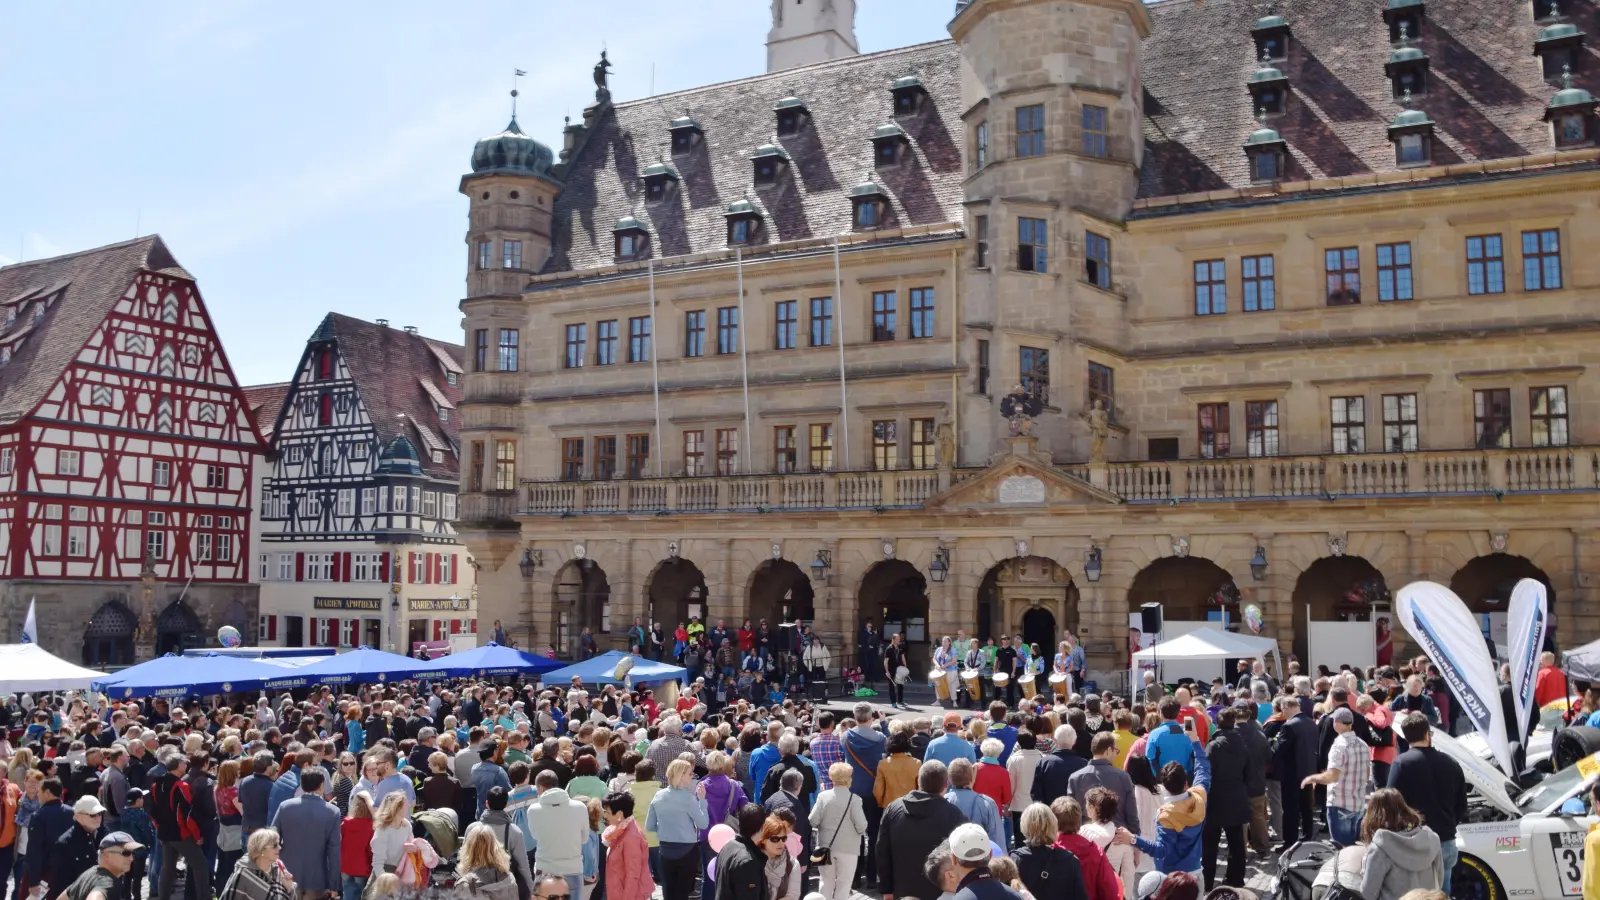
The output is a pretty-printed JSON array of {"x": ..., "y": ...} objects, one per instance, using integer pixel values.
[
  {"x": 852, "y": 679},
  {"x": 1298, "y": 868},
  {"x": 438, "y": 828}
]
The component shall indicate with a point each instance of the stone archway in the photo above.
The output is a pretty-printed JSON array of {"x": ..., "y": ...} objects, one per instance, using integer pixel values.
[
  {"x": 1189, "y": 589},
  {"x": 779, "y": 592},
  {"x": 108, "y": 641},
  {"x": 1039, "y": 630},
  {"x": 1485, "y": 584},
  {"x": 675, "y": 591},
  {"x": 1337, "y": 589},
  {"x": 894, "y": 594},
  {"x": 583, "y": 595},
  {"x": 1016, "y": 587},
  {"x": 177, "y": 629}
]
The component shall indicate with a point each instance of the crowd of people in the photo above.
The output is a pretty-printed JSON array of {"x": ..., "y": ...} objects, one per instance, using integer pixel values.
[{"x": 561, "y": 792}]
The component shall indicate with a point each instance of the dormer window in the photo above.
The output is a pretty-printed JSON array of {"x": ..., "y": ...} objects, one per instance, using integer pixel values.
[
  {"x": 744, "y": 223},
  {"x": 1268, "y": 87},
  {"x": 1405, "y": 19},
  {"x": 1571, "y": 115},
  {"x": 632, "y": 239},
  {"x": 909, "y": 95},
  {"x": 1412, "y": 135},
  {"x": 1267, "y": 153},
  {"x": 686, "y": 134},
  {"x": 1271, "y": 34},
  {"x": 1407, "y": 69},
  {"x": 889, "y": 145},
  {"x": 770, "y": 160},
  {"x": 869, "y": 205},
  {"x": 659, "y": 179},
  {"x": 1558, "y": 47},
  {"x": 792, "y": 114}
]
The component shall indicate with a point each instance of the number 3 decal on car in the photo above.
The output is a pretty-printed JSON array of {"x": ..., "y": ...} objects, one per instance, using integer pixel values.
[{"x": 1567, "y": 848}]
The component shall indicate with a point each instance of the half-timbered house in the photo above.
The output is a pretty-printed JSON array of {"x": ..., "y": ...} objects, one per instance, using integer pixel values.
[{"x": 359, "y": 493}]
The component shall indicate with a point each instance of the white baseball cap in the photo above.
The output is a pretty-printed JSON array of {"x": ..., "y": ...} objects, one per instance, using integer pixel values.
[
  {"x": 88, "y": 806},
  {"x": 970, "y": 843}
]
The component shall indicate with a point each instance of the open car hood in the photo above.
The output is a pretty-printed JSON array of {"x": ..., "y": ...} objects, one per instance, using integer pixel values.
[{"x": 1488, "y": 780}]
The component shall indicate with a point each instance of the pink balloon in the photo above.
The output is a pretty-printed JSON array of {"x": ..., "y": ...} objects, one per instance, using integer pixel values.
[
  {"x": 719, "y": 836},
  {"x": 795, "y": 844}
]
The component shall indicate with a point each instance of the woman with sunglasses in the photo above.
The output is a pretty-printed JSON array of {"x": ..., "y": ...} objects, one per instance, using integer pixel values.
[
  {"x": 783, "y": 873},
  {"x": 259, "y": 875},
  {"x": 344, "y": 782}
]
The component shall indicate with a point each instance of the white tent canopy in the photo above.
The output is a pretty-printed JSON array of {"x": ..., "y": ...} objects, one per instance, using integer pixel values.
[
  {"x": 29, "y": 667},
  {"x": 1210, "y": 643}
]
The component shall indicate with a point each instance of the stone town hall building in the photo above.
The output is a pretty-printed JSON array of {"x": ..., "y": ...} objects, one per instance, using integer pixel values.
[{"x": 1320, "y": 266}]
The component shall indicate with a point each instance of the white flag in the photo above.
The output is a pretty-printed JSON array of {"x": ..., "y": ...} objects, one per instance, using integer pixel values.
[
  {"x": 1529, "y": 617},
  {"x": 1449, "y": 635},
  {"x": 30, "y": 625}
]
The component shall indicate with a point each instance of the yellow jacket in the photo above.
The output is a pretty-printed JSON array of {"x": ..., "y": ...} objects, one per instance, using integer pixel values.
[
  {"x": 897, "y": 776},
  {"x": 1591, "y": 864}
]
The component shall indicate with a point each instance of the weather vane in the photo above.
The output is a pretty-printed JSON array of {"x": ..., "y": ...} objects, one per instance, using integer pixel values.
[{"x": 515, "y": 74}]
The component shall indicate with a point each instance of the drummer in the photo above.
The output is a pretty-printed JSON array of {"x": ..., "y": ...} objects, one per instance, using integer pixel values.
[
  {"x": 944, "y": 659},
  {"x": 1007, "y": 660},
  {"x": 1077, "y": 666},
  {"x": 1035, "y": 660},
  {"x": 973, "y": 660},
  {"x": 1063, "y": 663},
  {"x": 962, "y": 644}
]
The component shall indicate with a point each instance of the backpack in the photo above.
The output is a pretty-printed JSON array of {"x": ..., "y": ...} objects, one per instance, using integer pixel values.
[{"x": 180, "y": 800}]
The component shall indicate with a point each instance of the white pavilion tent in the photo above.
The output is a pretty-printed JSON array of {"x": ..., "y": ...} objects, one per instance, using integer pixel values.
[{"x": 29, "y": 667}]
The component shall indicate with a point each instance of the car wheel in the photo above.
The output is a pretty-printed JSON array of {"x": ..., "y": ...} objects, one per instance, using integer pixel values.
[
  {"x": 1573, "y": 744},
  {"x": 1472, "y": 879}
]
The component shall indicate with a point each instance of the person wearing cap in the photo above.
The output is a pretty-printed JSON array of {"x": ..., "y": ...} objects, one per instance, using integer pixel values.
[
  {"x": 75, "y": 850},
  {"x": 136, "y": 821},
  {"x": 970, "y": 852},
  {"x": 952, "y": 745},
  {"x": 101, "y": 881},
  {"x": 912, "y": 826},
  {"x": 1349, "y": 769}
]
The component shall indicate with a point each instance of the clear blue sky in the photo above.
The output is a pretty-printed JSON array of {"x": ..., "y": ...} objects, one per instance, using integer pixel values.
[{"x": 300, "y": 158}]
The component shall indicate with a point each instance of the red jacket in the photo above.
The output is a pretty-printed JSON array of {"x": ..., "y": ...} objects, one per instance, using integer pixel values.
[
  {"x": 1551, "y": 686},
  {"x": 994, "y": 782},
  {"x": 355, "y": 847},
  {"x": 1099, "y": 879},
  {"x": 747, "y": 640},
  {"x": 627, "y": 862},
  {"x": 1202, "y": 725}
]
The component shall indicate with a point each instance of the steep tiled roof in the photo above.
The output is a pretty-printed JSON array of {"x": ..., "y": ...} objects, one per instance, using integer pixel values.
[
  {"x": 1485, "y": 90},
  {"x": 85, "y": 287},
  {"x": 388, "y": 365},
  {"x": 846, "y": 99},
  {"x": 264, "y": 401}
]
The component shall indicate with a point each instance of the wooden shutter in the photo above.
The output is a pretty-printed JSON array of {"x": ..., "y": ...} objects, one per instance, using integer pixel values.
[
  {"x": 438, "y": 630},
  {"x": 474, "y": 626},
  {"x": 456, "y": 626},
  {"x": 269, "y": 630},
  {"x": 346, "y": 566},
  {"x": 383, "y": 566},
  {"x": 411, "y": 567},
  {"x": 312, "y": 636},
  {"x": 299, "y": 567},
  {"x": 334, "y": 568},
  {"x": 436, "y": 570},
  {"x": 455, "y": 566}
]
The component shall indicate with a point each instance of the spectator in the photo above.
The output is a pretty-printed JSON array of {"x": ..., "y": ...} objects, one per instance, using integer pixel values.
[
  {"x": 1099, "y": 880},
  {"x": 978, "y": 809},
  {"x": 742, "y": 863},
  {"x": 1053, "y": 779},
  {"x": 1294, "y": 757},
  {"x": 677, "y": 814},
  {"x": 1259, "y": 751},
  {"x": 257, "y": 876},
  {"x": 1101, "y": 829},
  {"x": 839, "y": 822},
  {"x": 897, "y": 773},
  {"x": 1176, "y": 846},
  {"x": 788, "y": 797},
  {"x": 1022, "y": 766},
  {"x": 789, "y": 759},
  {"x": 864, "y": 749},
  {"x": 627, "y": 853},
  {"x": 1167, "y": 742},
  {"x": 486, "y": 775},
  {"x": 912, "y": 826},
  {"x": 113, "y": 859},
  {"x": 1551, "y": 684},
  {"x": 1228, "y": 802},
  {"x": 391, "y": 828},
  {"x": 1431, "y": 783},
  {"x": 970, "y": 857},
  {"x": 47, "y": 824},
  {"x": 1102, "y": 772},
  {"x": 76, "y": 850},
  {"x": 951, "y": 745},
  {"x": 1402, "y": 853},
  {"x": 498, "y": 823},
  {"x": 993, "y": 781},
  {"x": 1045, "y": 869},
  {"x": 255, "y": 791},
  {"x": 285, "y": 787},
  {"x": 484, "y": 867},
  {"x": 355, "y": 847},
  {"x": 1414, "y": 700},
  {"x": 439, "y": 789},
  {"x": 172, "y": 810},
  {"x": 308, "y": 827},
  {"x": 1348, "y": 773}
]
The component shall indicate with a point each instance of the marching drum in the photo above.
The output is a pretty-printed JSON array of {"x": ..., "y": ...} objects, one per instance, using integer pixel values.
[
  {"x": 1058, "y": 684},
  {"x": 941, "y": 684},
  {"x": 1027, "y": 681},
  {"x": 1000, "y": 680},
  {"x": 974, "y": 680}
]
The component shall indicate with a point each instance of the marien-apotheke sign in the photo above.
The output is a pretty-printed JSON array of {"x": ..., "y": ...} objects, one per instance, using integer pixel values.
[
  {"x": 358, "y": 603},
  {"x": 442, "y": 605}
]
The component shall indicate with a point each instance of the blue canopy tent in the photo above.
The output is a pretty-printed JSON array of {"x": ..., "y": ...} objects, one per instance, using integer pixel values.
[
  {"x": 603, "y": 668},
  {"x": 361, "y": 666},
  {"x": 188, "y": 676},
  {"x": 489, "y": 660}
]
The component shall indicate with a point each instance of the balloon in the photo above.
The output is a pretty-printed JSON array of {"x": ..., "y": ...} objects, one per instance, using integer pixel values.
[
  {"x": 1253, "y": 619},
  {"x": 711, "y": 869},
  {"x": 719, "y": 837},
  {"x": 228, "y": 636},
  {"x": 795, "y": 844},
  {"x": 995, "y": 849}
]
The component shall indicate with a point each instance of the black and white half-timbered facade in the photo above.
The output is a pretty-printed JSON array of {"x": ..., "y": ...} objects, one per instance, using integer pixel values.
[
  {"x": 126, "y": 458},
  {"x": 358, "y": 495}
]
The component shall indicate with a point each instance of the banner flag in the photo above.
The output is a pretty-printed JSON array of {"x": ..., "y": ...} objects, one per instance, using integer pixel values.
[{"x": 1529, "y": 617}]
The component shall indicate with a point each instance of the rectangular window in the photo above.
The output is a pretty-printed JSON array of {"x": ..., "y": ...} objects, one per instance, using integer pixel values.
[
  {"x": 1033, "y": 245},
  {"x": 1103, "y": 387},
  {"x": 577, "y": 346},
  {"x": 1348, "y": 418},
  {"x": 885, "y": 445},
  {"x": 1260, "y": 286},
  {"x": 52, "y": 540},
  {"x": 68, "y": 462},
  {"x": 264, "y": 572},
  {"x": 447, "y": 506},
  {"x": 605, "y": 457},
  {"x": 922, "y": 444},
  {"x": 1491, "y": 418},
  {"x": 638, "y": 454},
  {"x": 475, "y": 482},
  {"x": 694, "y": 333},
  {"x": 1343, "y": 270},
  {"x": 727, "y": 330},
  {"x": 1213, "y": 419},
  {"x": 883, "y": 315},
  {"x": 511, "y": 257},
  {"x": 485, "y": 254},
  {"x": 447, "y": 568},
  {"x": 980, "y": 234},
  {"x": 505, "y": 465},
  {"x": 162, "y": 474},
  {"x": 821, "y": 447},
  {"x": 369, "y": 496},
  {"x": 480, "y": 350},
  {"x": 605, "y": 343},
  {"x": 785, "y": 455},
  {"x": 1547, "y": 408},
  {"x": 1164, "y": 449},
  {"x": 347, "y": 502},
  {"x": 155, "y": 544},
  {"x": 694, "y": 453},
  {"x": 1030, "y": 130},
  {"x": 507, "y": 358},
  {"x": 285, "y": 566},
  {"x": 822, "y": 321},
  {"x": 727, "y": 451},
  {"x": 1096, "y": 139},
  {"x": 1486, "y": 265},
  {"x": 1210, "y": 287},
  {"x": 8, "y": 460},
  {"x": 572, "y": 459},
  {"x": 980, "y": 154},
  {"x": 786, "y": 324},
  {"x": 1033, "y": 365},
  {"x": 1261, "y": 427},
  {"x": 1394, "y": 272},
  {"x": 639, "y": 339},
  {"x": 203, "y": 547},
  {"x": 78, "y": 540},
  {"x": 1541, "y": 260},
  {"x": 224, "y": 548},
  {"x": 1097, "y": 260},
  {"x": 983, "y": 367},
  {"x": 419, "y": 568},
  {"x": 216, "y": 477},
  {"x": 921, "y": 313}
]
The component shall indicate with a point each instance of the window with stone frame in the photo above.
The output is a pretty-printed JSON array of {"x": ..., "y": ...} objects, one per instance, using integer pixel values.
[
  {"x": 605, "y": 457},
  {"x": 1400, "y": 431},
  {"x": 639, "y": 328},
  {"x": 1486, "y": 264},
  {"x": 1261, "y": 427},
  {"x": 1210, "y": 287},
  {"x": 638, "y": 454},
  {"x": 1097, "y": 260},
  {"x": 572, "y": 459},
  {"x": 1033, "y": 245},
  {"x": 883, "y": 315},
  {"x": 727, "y": 451},
  {"x": 820, "y": 447},
  {"x": 1342, "y": 268},
  {"x": 474, "y": 481},
  {"x": 980, "y": 145},
  {"x": 786, "y": 324},
  {"x": 1259, "y": 283},
  {"x": 1347, "y": 417},
  {"x": 577, "y": 346},
  {"x": 922, "y": 313},
  {"x": 922, "y": 444},
  {"x": 605, "y": 343},
  {"x": 1491, "y": 418},
  {"x": 1096, "y": 131},
  {"x": 505, "y": 465},
  {"x": 885, "y": 445},
  {"x": 1541, "y": 260},
  {"x": 980, "y": 241},
  {"x": 1102, "y": 387},
  {"x": 506, "y": 354},
  {"x": 727, "y": 330},
  {"x": 821, "y": 321},
  {"x": 1394, "y": 272},
  {"x": 480, "y": 350},
  {"x": 983, "y": 367},
  {"x": 1030, "y": 130},
  {"x": 1547, "y": 412},
  {"x": 1213, "y": 430},
  {"x": 785, "y": 452},
  {"x": 694, "y": 333},
  {"x": 1033, "y": 369},
  {"x": 694, "y": 452}
]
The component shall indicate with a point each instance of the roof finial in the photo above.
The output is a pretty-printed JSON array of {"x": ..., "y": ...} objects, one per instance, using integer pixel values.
[
  {"x": 1406, "y": 100},
  {"x": 1555, "y": 9},
  {"x": 1566, "y": 76},
  {"x": 1266, "y": 55},
  {"x": 515, "y": 74},
  {"x": 1405, "y": 27},
  {"x": 1261, "y": 115}
]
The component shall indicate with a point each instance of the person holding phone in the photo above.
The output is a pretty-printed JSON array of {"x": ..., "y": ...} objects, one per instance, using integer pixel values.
[{"x": 1181, "y": 820}]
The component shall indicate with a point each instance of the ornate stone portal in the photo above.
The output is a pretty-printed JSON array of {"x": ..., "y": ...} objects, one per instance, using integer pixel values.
[{"x": 1037, "y": 599}]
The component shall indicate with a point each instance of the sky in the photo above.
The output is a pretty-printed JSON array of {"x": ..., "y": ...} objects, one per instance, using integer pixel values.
[{"x": 303, "y": 158}]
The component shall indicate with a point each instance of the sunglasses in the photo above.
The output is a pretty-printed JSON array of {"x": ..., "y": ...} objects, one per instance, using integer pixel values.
[
  {"x": 121, "y": 852},
  {"x": 778, "y": 840},
  {"x": 554, "y": 896}
]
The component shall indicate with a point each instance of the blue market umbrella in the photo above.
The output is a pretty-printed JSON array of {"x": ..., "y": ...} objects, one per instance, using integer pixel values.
[
  {"x": 361, "y": 666},
  {"x": 489, "y": 660},
  {"x": 188, "y": 676},
  {"x": 603, "y": 669}
]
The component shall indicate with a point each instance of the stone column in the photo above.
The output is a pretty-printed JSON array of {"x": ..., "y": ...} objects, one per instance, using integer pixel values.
[
  {"x": 623, "y": 589},
  {"x": 723, "y": 599},
  {"x": 1578, "y": 612}
]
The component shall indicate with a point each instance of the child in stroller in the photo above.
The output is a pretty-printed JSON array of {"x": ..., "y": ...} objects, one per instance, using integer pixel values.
[{"x": 1307, "y": 869}]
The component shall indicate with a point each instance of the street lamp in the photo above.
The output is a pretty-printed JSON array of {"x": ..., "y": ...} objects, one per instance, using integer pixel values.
[
  {"x": 820, "y": 565},
  {"x": 940, "y": 567},
  {"x": 1091, "y": 567},
  {"x": 1258, "y": 564},
  {"x": 531, "y": 561}
]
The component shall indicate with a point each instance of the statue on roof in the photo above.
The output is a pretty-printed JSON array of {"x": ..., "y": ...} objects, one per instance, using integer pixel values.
[{"x": 602, "y": 72}]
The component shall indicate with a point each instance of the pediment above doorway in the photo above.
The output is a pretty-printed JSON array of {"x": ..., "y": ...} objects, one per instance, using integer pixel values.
[{"x": 1018, "y": 480}]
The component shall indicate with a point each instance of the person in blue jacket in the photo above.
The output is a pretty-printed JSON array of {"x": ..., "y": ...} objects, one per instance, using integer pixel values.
[
  {"x": 1176, "y": 847},
  {"x": 1169, "y": 741}
]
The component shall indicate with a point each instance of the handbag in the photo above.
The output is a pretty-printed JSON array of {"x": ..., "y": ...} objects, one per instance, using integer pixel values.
[
  {"x": 1337, "y": 891},
  {"x": 823, "y": 855}
]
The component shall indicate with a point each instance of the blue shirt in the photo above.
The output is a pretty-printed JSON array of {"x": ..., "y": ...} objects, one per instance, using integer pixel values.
[
  {"x": 761, "y": 759},
  {"x": 677, "y": 816},
  {"x": 282, "y": 789},
  {"x": 947, "y": 748},
  {"x": 1007, "y": 735},
  {"x": 1167, "y": 744},
  {"x": 979, "y": 810},
  {"x": 392, "y": 783}
]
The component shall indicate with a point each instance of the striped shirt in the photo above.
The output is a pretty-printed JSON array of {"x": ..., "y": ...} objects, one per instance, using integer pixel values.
[
  {"x": 664, "y": 750},
  {"x": 826, "y": 750},
  {"x": 1353, "y": 758}
]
